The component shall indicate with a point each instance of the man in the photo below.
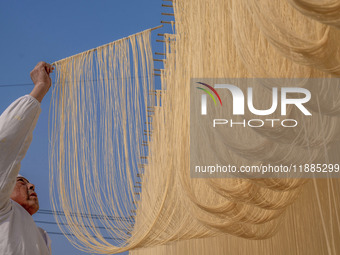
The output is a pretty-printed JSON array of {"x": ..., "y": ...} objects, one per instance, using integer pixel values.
[{"x": 18, "y": 200}]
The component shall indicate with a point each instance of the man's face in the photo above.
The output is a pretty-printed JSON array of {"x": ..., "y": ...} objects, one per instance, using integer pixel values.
[{"x": 23, "y": 193}]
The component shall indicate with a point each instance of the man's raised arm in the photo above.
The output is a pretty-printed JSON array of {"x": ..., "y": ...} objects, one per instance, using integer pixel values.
[{"x": 17, "y": 123}]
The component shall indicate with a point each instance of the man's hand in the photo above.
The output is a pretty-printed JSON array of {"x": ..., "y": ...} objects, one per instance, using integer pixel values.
[{"x": 40, "y": 76}]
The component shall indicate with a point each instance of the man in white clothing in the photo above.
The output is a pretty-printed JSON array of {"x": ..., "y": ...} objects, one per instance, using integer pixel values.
[{"x": 18, "y": 200}]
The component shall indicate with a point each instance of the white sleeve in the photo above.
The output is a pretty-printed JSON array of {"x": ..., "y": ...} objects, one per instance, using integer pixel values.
[
  {"x": 17, "y": 123},
  {"x": 46, "y": 238}
]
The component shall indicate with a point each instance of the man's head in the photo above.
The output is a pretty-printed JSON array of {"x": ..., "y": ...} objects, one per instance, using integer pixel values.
[{"x": 23, "y": 193}]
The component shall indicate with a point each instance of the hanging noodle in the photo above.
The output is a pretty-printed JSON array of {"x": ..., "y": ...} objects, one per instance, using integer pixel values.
[{"x": 100, "y": 101}]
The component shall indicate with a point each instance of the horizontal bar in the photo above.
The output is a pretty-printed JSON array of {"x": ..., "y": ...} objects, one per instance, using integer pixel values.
[
  {"x": 167, "y": 22},
  {"x": 104, "y": 45},
  {"x": 166, "y": 5},
  {"x": 167, "y": 14},
  {"x": 154, "y": 28}
]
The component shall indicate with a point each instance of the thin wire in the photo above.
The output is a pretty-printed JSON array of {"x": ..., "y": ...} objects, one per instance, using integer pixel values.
[
  {"x": 66, "y": 224},
  {"x": 31, "y": 84},
  {"x": 67, "y": 234},
  {"x": 16, "y": 85},
  {"x": 85, "y": 215}
]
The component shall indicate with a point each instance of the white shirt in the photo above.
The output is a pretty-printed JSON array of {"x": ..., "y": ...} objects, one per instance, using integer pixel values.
[{"x": 19, "y": 235}]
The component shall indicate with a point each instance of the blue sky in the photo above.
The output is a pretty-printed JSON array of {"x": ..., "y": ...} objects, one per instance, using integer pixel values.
[{"x": 32, "y": 31}]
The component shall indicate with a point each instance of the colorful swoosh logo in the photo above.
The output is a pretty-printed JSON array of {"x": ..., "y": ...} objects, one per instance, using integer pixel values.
[{"x": 209, "y": 93}]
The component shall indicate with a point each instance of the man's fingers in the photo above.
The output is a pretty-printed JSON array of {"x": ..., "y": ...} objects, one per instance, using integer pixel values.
[
  {"x": 51, "y": 68},
  {"x": 42, "y": 80},
  {"x": 48, "y": 67}
]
